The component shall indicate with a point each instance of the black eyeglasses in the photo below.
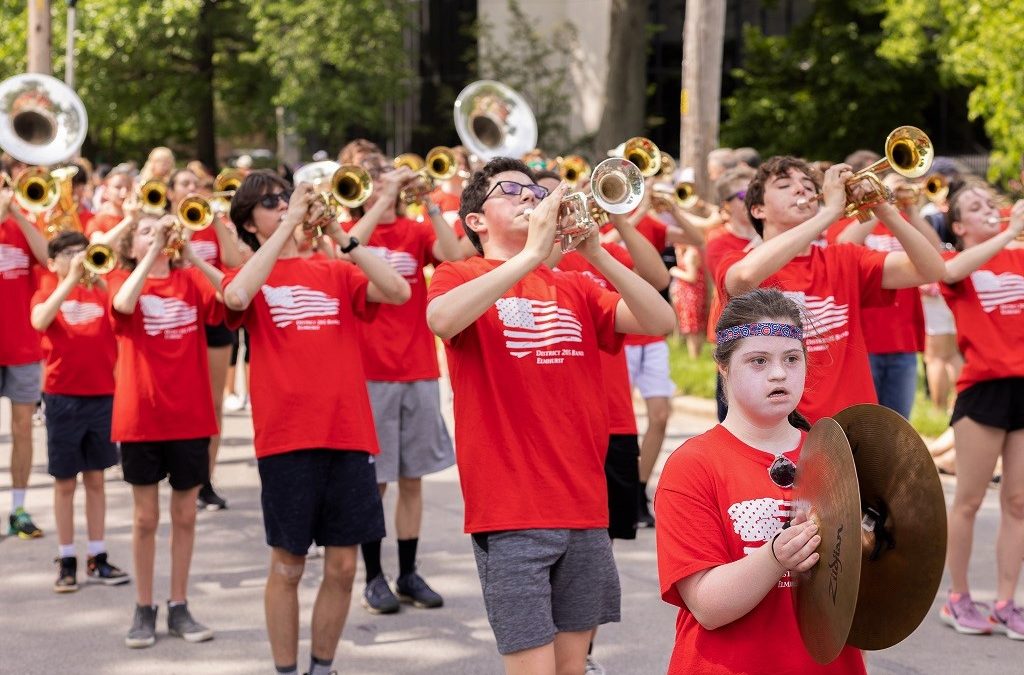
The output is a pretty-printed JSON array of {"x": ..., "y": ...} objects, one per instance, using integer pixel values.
[
  {"x": 270, "y": 200},
  {"x": 782, "y": 472},
  {"x": 514, "y": 189},
  {"x": 741, "y": 195}
]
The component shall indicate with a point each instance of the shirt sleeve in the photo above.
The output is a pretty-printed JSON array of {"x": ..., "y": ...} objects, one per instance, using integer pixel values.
[
  {"x": 870, "y": 267},
  {"x": 603, "y": 305},
  {"x": 722, "y": 268},
  {"x": 355, "y": 284},
  {"x": 446, "y": 276},
  {"x": 233, "y": 318},
  {"x": 211, "y": 309}
]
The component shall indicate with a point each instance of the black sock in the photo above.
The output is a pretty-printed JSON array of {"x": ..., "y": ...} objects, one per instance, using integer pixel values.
[
  {"x": 319, "y": 666},
  {"x": 287, "y": 670},
  {"x": 407, "y": 556},
  {"x": 371, "y": 559}
]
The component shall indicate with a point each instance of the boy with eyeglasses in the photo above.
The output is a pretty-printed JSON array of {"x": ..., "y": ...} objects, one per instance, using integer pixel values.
[{"x": 530, "y": 415}]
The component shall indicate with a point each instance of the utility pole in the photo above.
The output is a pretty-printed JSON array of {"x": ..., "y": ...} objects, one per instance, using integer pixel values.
[
  {"x": 69, "y": 56},
  {"x": 40, "y": 40},
  {"x": 699, "y": 105}
]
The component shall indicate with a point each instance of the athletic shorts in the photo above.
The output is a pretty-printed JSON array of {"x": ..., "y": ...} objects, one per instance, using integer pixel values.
[
  {"x": 78, "y": 434},
  {"x": 241, "y": 335},
  {"x": 326, "y": 496},
  {"x": 994, "y": 403},
  {"x": 540, "y": 582},
  {"x": 413, "y": 438},
  {"x": 219, "y": 336},
  {"x": 186, "y": 462},
  {"x": 622, "y": 471},
  {"x": 22, "y": 384},
  {"x": 648, "y": 369}
]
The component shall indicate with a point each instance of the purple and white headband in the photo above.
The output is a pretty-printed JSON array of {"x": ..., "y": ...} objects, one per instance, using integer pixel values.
[{"x": 755, "y": 329}]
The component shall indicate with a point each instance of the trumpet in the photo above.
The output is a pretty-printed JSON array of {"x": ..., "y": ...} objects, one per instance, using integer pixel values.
[
  {"x": 347, "y": 185},
  {"x": 683, "y": 194},
  {"x": 643, "y": 153},
  {"x": 65, "y": 217},
  {"x": 439, "y": 165},
  {"x": 617, "y": 186},
  {"x": 996, "y": 220},
  {"x": 194, "y": 213},
  {"x": 153, "y": 195},
  {"x": 99, "y": 260},
  {"x": 36, "y": 190},
  {"x": 225, "y": 185},
  {"x": 936, "y": 188},
  {"x": 573, "y": 169}
]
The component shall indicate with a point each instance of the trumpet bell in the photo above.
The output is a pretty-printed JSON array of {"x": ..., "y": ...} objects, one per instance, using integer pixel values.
[
  {"x": 617, "y": 185},
  {"x": 42, "y": 120},
  {"x": 441, "y": 163},
  {"x": 410, "y": 160},
  {"x": 686, "y": 194},
  {"x": 195, "y": 213},
  {"x": 909, "y": 152},
  {"x": 37, "y": 190},
  {"x": 644, "y": 154},
  {"x": 153, "y": 195},
  {"x": 493, "y": 120},
  {"x": 228, "y": 180},
  {"x": 574, "y": 169},
  {"x": 351, "y": 185},
  {"x": 99, "y": 259},
  {"x": 936, "y": 188}
]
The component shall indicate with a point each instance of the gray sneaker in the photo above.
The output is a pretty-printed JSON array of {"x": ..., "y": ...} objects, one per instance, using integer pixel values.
[
  {"x": 143, "y": 630},
  {"x": 181, "y": 624}
]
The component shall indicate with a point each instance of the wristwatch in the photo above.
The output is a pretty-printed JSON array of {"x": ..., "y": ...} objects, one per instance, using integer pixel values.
[
  {"x": 352, "y": 243},
  {"x": 434, "y": 210}
]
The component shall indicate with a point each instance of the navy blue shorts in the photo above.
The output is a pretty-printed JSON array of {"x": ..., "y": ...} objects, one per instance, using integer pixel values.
[
  {"x": 326, "y": 496},
  {"x": 185, "y": 462},
  {"x": 995, "y": 403},
  {"x": 78, "y": 434}
]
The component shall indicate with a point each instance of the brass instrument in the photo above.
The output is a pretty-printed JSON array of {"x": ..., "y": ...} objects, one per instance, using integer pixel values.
[
  {"x": 907, "y": 195},
  {"x": 36, "y": 190},
  {"x": 668, "y": 167},
  {"x": 42, "y": 121},
  {"x": 194, "y": 213},
  {"x": 225, "y": 185},
  {"x": 574, "y": 169},
  {"x": 347, "y": 185},
  {"x": 617, "y": 186},
  {"x": 153, "y": 195},
  {"x": 493, "y": 120},
  {"x": 683, "y": 194},
  {"x": 64, "y": 218},
  {"x": 439, "y": 165},
  {"x": 936, "y": 188},
  {"x": 643, "y": 153},
  {"x": 99, "y": 260}
]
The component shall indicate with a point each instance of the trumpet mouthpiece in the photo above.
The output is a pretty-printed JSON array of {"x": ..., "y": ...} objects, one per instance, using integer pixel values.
[{"x": 803, "y": 201}]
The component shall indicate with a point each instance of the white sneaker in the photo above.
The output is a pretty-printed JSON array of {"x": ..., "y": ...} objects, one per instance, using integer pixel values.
[
  {"x": 234, "y": 402},
  {"x": 315, "y": 551},
  {"x": 593, "y": 667}
]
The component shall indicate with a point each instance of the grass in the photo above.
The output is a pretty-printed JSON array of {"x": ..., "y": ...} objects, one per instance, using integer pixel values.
[{"x": 696, "y": 377}]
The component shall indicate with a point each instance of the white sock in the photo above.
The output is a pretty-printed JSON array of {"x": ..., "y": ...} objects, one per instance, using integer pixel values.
[
  {"x": 97, "y": 547},
  {"x": 17, "y": 498},
  {"x": 66, "y": 550}
]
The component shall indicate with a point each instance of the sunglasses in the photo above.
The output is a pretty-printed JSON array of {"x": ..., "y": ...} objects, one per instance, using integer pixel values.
[
  {"x": 271, "y": 199},
  {"x": 514, "y": 189},
  {"x": 782, "y": 472},
  {"x": 741, "y": 195}
]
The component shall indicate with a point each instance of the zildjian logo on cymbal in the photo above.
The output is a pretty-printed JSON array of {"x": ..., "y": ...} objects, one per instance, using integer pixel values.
[{"x": 835, "y": 566}]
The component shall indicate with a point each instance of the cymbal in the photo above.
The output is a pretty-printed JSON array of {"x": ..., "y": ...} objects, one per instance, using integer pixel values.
[
  {"x": 901, "y": 491},
  {"x": 826, "y": 490}
]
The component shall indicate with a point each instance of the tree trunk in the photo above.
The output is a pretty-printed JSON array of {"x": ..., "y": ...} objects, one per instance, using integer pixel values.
[
  {"x": 625, "y": 90},
  {"x": 703, "y": 35},
  {"x": 206, "y": 142},
  {"x": 40, "y": 39}
]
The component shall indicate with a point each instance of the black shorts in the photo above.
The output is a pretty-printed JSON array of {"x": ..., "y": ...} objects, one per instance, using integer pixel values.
[
  {"x": 622, "y": 471},
  {"x": 186, "y": 461},
  {"x": 326, "y": 496},
  {"x": 78, "y": 434},
  {"x": 244, "y": 335},
  {"x": 994, "y": 403},
  {"x": 219, "y": 336}
]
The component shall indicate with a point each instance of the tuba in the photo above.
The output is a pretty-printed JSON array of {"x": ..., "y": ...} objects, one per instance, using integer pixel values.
[
  {"x": 617, "y": 186},
  {"x": 42, "y": 121},
  {"x": 493, "y": 120}
]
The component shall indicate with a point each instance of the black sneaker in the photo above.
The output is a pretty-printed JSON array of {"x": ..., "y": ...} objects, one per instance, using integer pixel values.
[
  {"x": 412, "y": 588},
  {"x": 21, "y": 525},
  {"x": 181, "y": 624},
  {"x": 209, "y": 500},
  {"x": 644, "y": 518},
  {"x": 143, "y": 630},
  {"x": 67, "y": 577},
  {"x": 102, "y": 571},
  {"x": 378, "y": 598}
]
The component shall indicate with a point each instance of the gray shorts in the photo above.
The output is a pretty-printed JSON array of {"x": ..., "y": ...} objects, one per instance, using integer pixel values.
[
  {"x": 22, "y": 384},
  {"x": 413, "y": 438},
  {"x": 540, "y": 582}
]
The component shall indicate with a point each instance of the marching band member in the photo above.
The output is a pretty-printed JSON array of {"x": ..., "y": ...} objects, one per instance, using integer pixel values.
[
  {"x": 159, "y": 165},
  {"x": 723, "y": 556},
  {"x": 163, "y": 410},
  {"x": 120, "y": 205},
  {"x": 80, "y": 350},
  {"x": 315, "y": 440},
  {"x": 984, "y": 286},
  {"x": 833, "y": 283},
  {"x": 531, "y": 422}
]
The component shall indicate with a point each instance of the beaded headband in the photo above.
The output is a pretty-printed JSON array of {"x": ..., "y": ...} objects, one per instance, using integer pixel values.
[{"x": 754, "y": 329}]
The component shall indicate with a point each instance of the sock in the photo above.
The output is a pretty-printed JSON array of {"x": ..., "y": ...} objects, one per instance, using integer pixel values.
[
  {"x": 66, "y": 550},
  {"x": 17, "y": 498},
  {"x": 954, "y": 597},
  {"x": 97, "y": 547},
  {"x": 590, "y": 649},
  {"x": 371, "y": 559},
  {"x": 1002, "y": 604},
  {"x": 176, "y": 603},
  {"x": 287, "y": 670},
  {"x": 319, "y": 666},
  {"x": 407, "y": 556}
]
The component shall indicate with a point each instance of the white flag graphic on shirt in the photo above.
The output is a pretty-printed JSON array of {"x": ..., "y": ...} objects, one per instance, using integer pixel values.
[
  {"x": 76, "y": 313},
  {"x": 758, "y": 520},
  {"x": 205, "y": 250},
  {"x": 825, "y": 314},
  {"x": 289, "y": 304},
  {"x": 160, "y": 314},
  {"x": 401, "y": 261},
  {"x": 997, "y": 289},
  {"x": 12, "y": 259},
  {"x": 883, "y": 242},
  {"x": 532, "y": 324}
]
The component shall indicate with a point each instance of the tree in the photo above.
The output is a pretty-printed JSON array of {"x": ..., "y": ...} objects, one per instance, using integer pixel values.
[{"x": 626, "y": 83}]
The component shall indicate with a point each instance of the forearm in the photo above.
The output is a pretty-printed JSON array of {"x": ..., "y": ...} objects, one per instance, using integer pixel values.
[
  {"x": 923, "y": 255},
  {"x": 388, "y": 282},
  {"x": 214, "y": 275},
  {"x": 446, "y": 247},
  {"x": 646, "y": 259},
  {"x": 857, "y": 232},
  {"x": 686, "y": 231},
  {"x": 451, "y": 313},
  {"x": 127, "y": 297},
  {"x": 35, "y": 238},
  {"x": 243, "y": 288},
  {"x": 364, "y": 227},
  {"x": 653, "y": 315},
  {"x": 227, "y": 241},
  {"x": 729, "y": 592},
  {"x": 45, "y": 312},
  {"x": 113, "y": 236},
  {"x": 960, "y": 266}
]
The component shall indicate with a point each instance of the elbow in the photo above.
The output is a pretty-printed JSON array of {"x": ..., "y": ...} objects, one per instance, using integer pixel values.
[
  {"x": 738, "y": 283},
  {"x": 122, "y": 307},
  {"x": 37, "y": 324},
  {"x": 665, "y": 321},
  {"x": 232, "y": 300},
  {"x": 936, "y": 271},
  {"x": 399, "y": 292},
  {"x": 438, "y": 323}
]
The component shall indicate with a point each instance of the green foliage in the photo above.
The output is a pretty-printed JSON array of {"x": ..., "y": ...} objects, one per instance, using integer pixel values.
[{"x": 693, "y": 377}]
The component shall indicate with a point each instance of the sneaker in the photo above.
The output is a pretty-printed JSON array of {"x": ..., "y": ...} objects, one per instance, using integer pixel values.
[
  {"x": 181, "y": 624},
  {"x": 234, "y": 403},
  {"x": 208, "y": 499},
  {"x": 39, "y": 416},
  {"x": 1009, "y": 620},
  {"x": 593, "y": 667},
  {"x": 643, "y": 511},
  {"x": 143, "y": 630},
  {"x": 378, "y": 598},
  {"x": 412, "y": 588},
  {"x": 67, "y": 577},
  {"x": 102, "y": 571},
  {"x": 22, "y": 525},
  {"x": 965, "y": 617}
]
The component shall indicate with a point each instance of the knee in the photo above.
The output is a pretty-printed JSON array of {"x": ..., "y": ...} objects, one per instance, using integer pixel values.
[
  {"x": 183, "y": 516},
  {"x": 286, "y": 572},
  {"x": 341, "y": 572},
  {"x": 967, "y": 507},
  {"x": 146, "y": 522},
  {"x": 1012, "y": 506},
  {"x": 65, "y": 488},
  {"x": 410, "y": 488}
]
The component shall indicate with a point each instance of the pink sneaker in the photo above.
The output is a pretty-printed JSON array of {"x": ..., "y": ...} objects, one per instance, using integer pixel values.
[
  {"x": 1009, "y": 620},
  {"x": 965, "y": 617}
]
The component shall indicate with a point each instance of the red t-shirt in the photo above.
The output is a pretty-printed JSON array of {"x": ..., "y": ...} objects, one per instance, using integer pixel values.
[
  {"x": 163, "y": 375},
  {"x": 531, "y": 426},
  {"x": 900, "y": 326},
  {"x": 445, "y": 201},
  {"x": 206, "y": 246},
  {"x": 833, "y": 284},
  {"x": 307, "y": 382},
  {"x": 716, "y": 249},
  {"x": 79, "y": 344},
  {"x": 397, "y": 344},
  {"x": 19, "y": 341},
  {"x": 715, "y": 504},
  {"x": 655, "y": 232},
  {"x": 102, "y": 222},
  {"x": 988, "y": 307},
  {"x": 619, "y": 393}
]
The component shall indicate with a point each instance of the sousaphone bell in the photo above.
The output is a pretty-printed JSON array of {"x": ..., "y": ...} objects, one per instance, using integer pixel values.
[
  {"x": 493, "y": 120},
  {"x": 42, "y": 121}
]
